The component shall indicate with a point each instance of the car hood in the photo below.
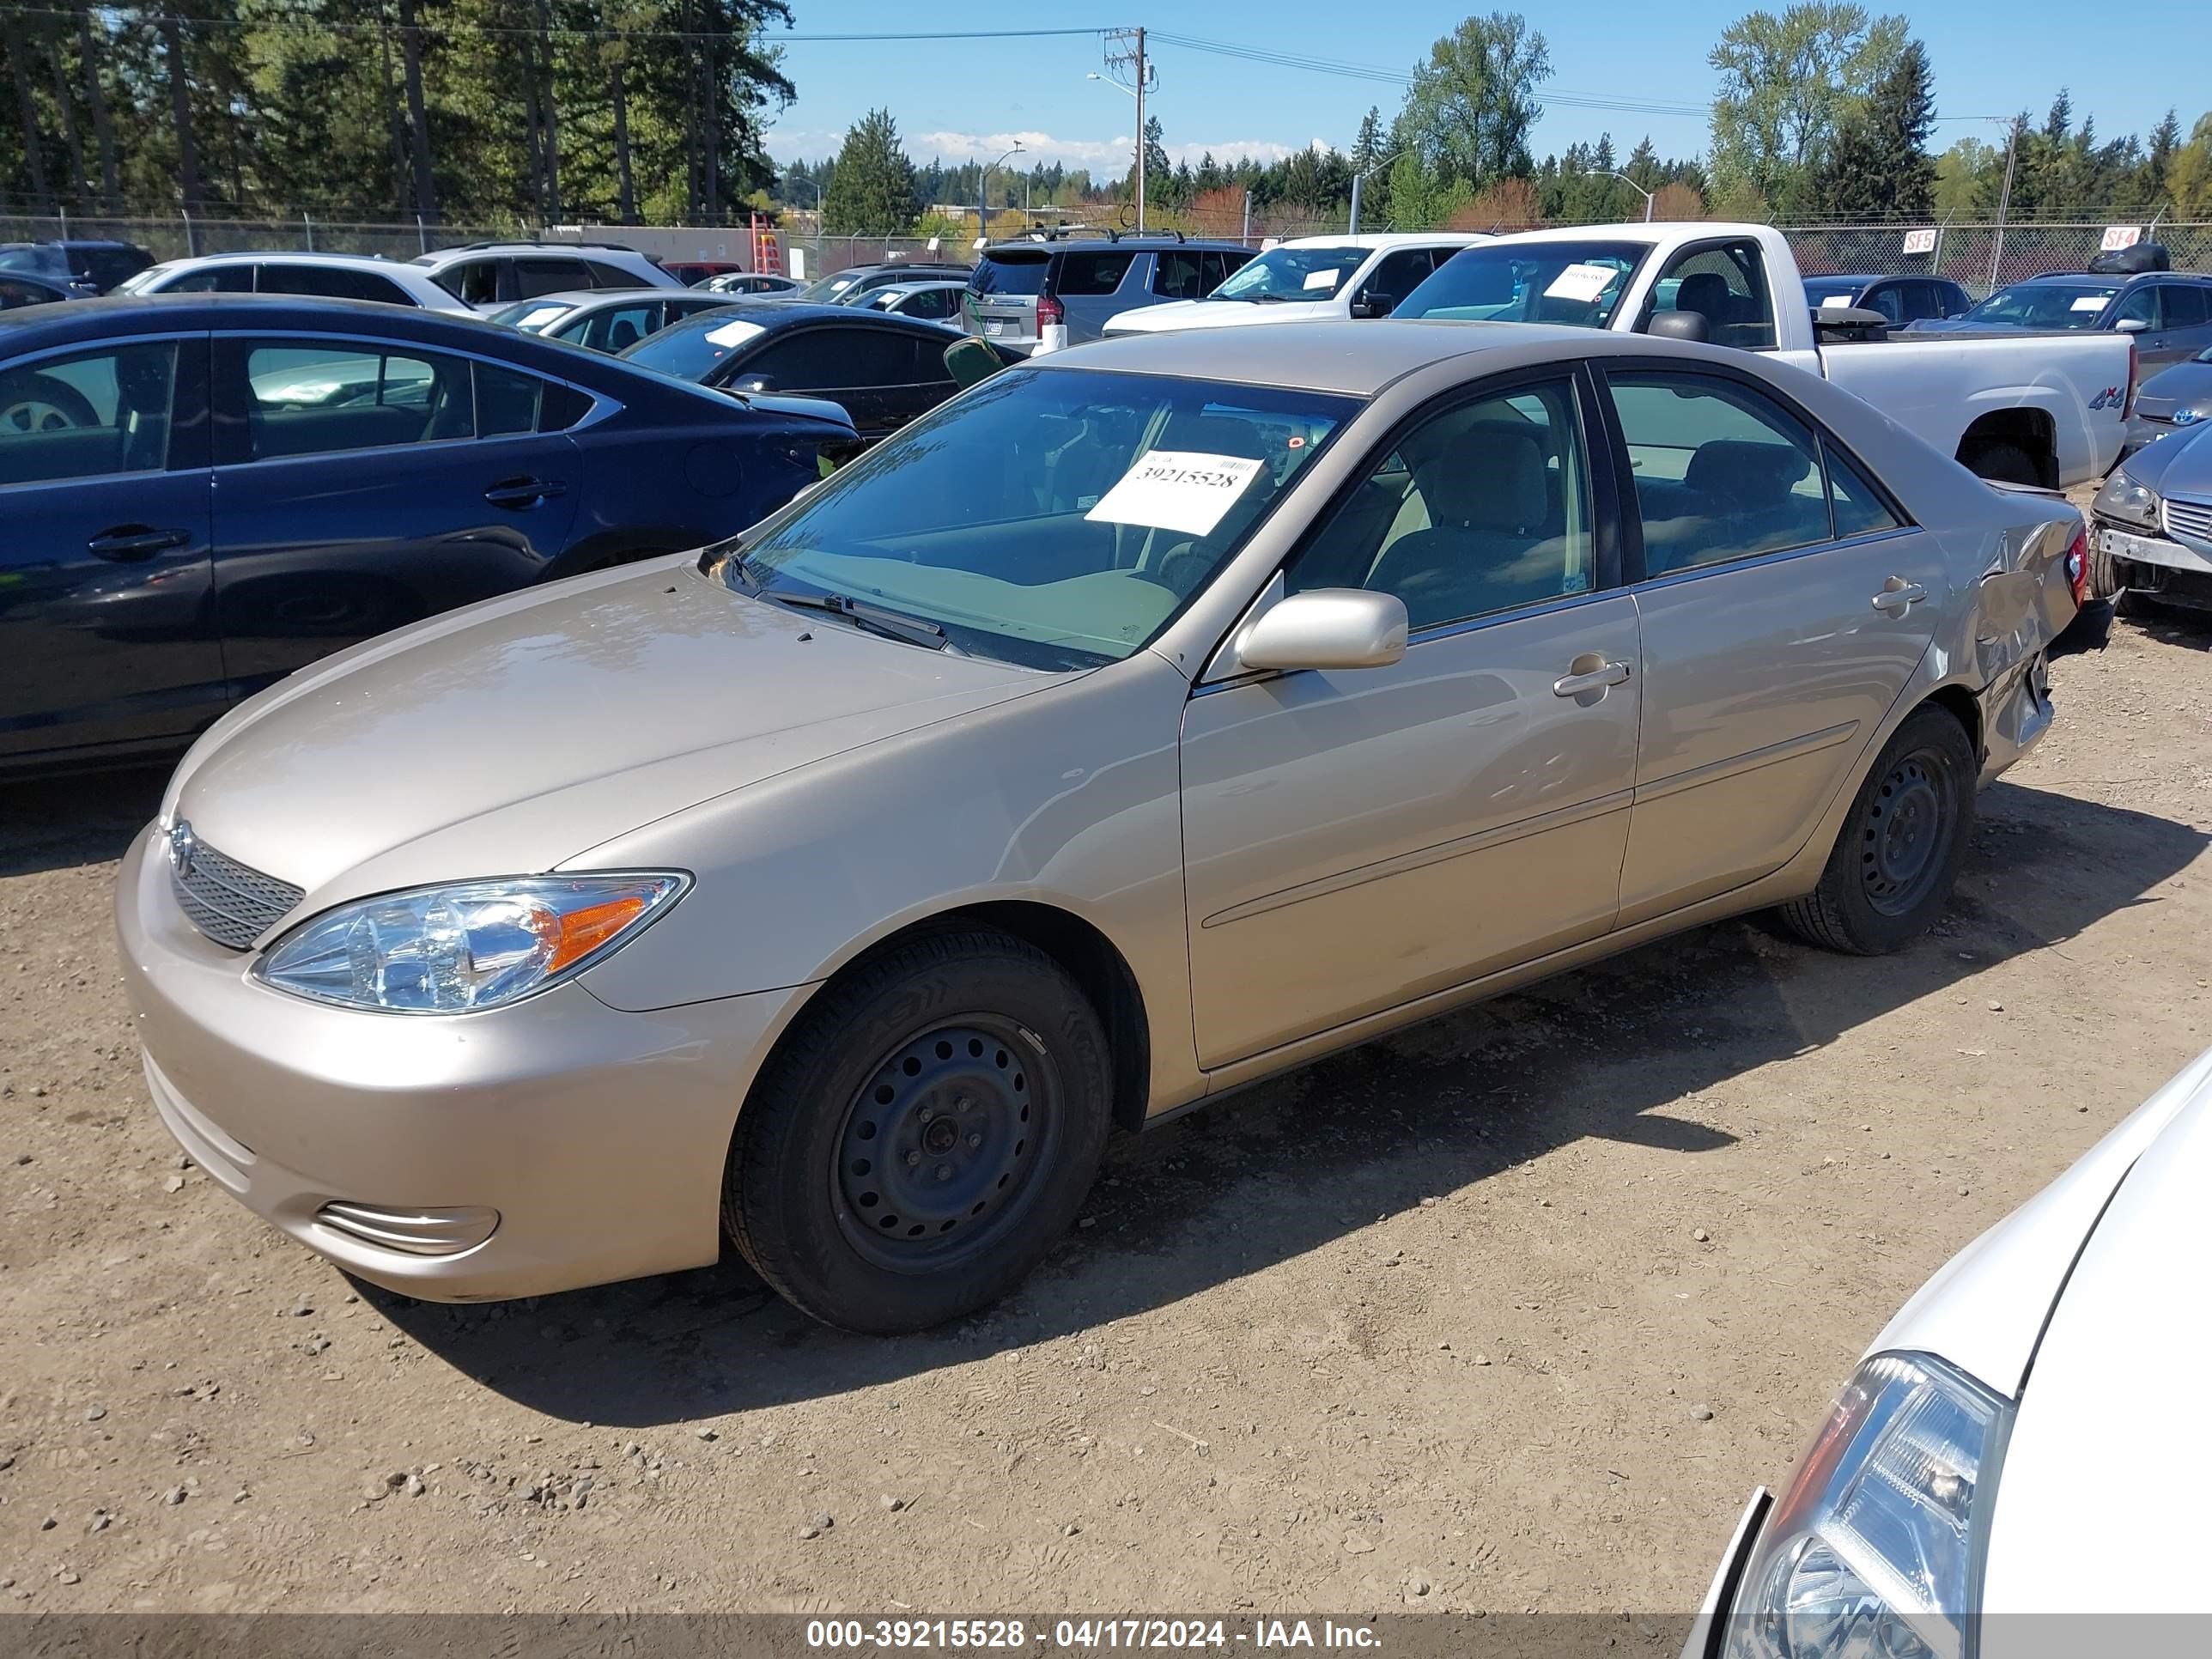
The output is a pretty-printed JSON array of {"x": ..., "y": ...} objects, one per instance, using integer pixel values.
[
  {"x": 2098, "y": 1504},
  {"x": 1217, "y": 313},
  {"x": 2166, "y": 391},
  {"x": 2179, "y": 463},
  {"x": 511, "y": 735}
]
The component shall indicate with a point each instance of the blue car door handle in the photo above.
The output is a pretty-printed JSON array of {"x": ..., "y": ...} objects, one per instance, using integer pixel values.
[{"x": 524, "y": 492}]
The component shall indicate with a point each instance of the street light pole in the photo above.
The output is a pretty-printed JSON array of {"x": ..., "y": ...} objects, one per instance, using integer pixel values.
[
  {"x": 982, "y": 196},
  {"x": 2004, "y": 201},
  {"x": 1131, "y": 53},
  {"x": 1357, "y": 178},
  {"x": 1639, "y": 190}
]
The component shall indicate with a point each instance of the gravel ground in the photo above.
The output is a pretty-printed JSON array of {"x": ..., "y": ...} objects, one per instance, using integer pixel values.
[{"x": 1507, "y": 1312}]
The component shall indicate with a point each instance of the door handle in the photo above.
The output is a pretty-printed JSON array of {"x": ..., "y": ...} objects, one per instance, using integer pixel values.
[
  {"x": 1605, "y": 675},
  {"x": 1897, "y": 596},
  {"x": 524, "y": 492},
  {"x": 135, "y": 541}
]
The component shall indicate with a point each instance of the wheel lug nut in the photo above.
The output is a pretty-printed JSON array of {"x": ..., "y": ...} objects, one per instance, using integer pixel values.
[
  {"x": 963, "y": 1105},
  {"x": 975, "y": 1141},
  {"x": 927, "y": 1113},
  {"x": 944, "y": 1172},
  {"x": 913, "y": 1158}
]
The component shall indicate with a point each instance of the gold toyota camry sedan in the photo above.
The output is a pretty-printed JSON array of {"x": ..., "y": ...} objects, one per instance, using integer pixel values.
[{"x": 1155, "y": 717}]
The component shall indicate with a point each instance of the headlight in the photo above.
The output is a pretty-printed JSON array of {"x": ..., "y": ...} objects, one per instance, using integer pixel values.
[
  {"x": 2123, "y": 498},
  {"x": 470, "y": 945},
  {"x": 1876, "y": 1550}
]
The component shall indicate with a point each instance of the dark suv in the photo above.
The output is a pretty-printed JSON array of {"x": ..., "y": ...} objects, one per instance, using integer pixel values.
[
  {"x": 1020, "y": 288},
  {"x": 90, "y": 267}
]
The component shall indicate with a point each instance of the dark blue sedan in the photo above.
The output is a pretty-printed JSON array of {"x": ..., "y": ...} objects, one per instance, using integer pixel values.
[{"x": 202, "y": 493}]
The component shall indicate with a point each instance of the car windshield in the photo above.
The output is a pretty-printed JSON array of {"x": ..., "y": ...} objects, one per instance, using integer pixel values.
[
  {"x": 1055, "y": 518},
  {"x": 1292, "y": 273},
  {"x": 691, "y": 348},
  {"x": 2045, "y": 304},
  {"x": 530, "y": 315},
  {"x": 1578, "y": 284}
]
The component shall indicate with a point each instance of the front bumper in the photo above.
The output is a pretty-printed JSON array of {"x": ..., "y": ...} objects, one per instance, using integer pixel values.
[
  {"x": 543, "y": 1146},
  {"x": 1709, "y": 1629}
]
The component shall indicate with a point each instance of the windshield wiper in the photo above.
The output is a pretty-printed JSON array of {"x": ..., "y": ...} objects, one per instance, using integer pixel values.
[{"x": 872, "y": 618}]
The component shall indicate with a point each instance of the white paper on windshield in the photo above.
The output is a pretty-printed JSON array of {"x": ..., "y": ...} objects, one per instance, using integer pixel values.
[
  {"x": 734, "y": 334},
  {"x": 1835, "y": 302},
  {"x": 1177, "y": 490},
  {"x": 1323, "y": 279},
  {"x": 2094, "y": 302},
  {"x": 1584, "y": 282},
  {"x": 540, "y": 316}
]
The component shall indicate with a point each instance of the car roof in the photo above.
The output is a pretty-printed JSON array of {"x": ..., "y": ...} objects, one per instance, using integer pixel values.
[
  {"x": 292, "y": 256},
  {"x": 1859, "y": 279},
  {"x": 772, "y": 313},
  {"x": 1146, "y": 244},
  {"x": 1387, "y": 239},
  {"x": 1358, "y": 358}
]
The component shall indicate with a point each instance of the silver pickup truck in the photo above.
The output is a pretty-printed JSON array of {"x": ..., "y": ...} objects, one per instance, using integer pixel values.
[{"x": 2038, "y": 410}]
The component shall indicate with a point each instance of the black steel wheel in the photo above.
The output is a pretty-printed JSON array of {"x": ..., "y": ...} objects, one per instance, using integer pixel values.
[
  {"x": 940, "y": 1145},
  {"x": 1897, "y": 856},
  {"x": 924, "y": 1134}
]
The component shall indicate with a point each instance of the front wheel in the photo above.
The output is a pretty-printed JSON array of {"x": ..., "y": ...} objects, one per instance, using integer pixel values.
[
  {"x": 924, "y": 1136},
  {"x": 1898, "y": 855}
]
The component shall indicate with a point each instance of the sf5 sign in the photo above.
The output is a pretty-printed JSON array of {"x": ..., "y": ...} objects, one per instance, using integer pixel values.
[{"x": 1920, "y": 241}]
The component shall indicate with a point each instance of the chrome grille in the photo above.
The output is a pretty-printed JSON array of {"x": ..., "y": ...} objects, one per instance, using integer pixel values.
[
  {"x": 231, "y": 903},
  {"x": 2190, "y": 519}
]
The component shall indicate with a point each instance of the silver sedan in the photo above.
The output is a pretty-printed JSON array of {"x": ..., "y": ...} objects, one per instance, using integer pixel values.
[{"x": 1146, "y": 720}]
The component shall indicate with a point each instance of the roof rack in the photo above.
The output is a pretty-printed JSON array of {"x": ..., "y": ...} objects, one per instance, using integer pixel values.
[{"x": 537, "y": 241}]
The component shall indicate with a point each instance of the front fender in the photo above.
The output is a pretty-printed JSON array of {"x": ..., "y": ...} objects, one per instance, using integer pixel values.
[{"x": 1068, "y": 796}]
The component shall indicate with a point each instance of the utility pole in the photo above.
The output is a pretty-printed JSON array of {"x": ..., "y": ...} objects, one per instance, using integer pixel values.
[
  {"x": 1125, "y": 49},
  {"x": 2004, "y": 201}
]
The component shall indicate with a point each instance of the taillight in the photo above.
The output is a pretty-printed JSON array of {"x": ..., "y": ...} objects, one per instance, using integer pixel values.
[
  {"x": 1051, "y": 313},
  {"x": 2077, "y": 568}
]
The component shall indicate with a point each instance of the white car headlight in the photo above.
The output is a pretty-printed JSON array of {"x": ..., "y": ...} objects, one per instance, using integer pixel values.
[
  {"x": 2123, "y": 498},
  {"x": 1877, "y": 1548},
  {"x": 468, "y": 946}
]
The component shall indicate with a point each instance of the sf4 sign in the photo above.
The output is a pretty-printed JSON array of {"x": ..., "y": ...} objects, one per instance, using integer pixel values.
[{"x": 2119, "y": 236}]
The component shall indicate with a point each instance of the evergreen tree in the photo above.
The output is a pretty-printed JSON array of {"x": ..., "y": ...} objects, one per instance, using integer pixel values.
[
  {"x": 871, "y": 191},
  {"x": 1879, "y": 166}
]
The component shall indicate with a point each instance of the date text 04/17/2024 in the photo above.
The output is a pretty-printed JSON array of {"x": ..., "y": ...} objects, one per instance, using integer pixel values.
[{"x": 1006, "y": 1634}]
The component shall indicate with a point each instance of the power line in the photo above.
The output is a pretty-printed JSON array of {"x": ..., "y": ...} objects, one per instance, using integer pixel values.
[{"x": 305, "y": 22}]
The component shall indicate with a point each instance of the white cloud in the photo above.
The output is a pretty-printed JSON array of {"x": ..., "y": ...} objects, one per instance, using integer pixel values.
[{"x": 1097, "y": 154}]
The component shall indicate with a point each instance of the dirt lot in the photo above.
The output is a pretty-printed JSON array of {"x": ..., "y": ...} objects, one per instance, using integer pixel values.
[{"x": 1509, "y": 1312}]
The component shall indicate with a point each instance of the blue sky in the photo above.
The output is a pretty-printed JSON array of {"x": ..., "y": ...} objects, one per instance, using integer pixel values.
[{"x": 961, "y": 99}]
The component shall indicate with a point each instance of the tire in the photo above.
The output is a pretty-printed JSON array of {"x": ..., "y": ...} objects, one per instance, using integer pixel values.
[
  {"x": 923, "y": 1136},
  {"x": 1898, "y": 855},
  {"x": 2105, "y": 582},
  {"x": 2005, "y": 463}
]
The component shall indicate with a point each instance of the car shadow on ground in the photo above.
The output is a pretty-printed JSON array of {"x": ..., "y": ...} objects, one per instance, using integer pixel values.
[
  {"x": 1253, "y": 1179},
  {"x": 2169, "y": 624},
  {"x": 87, "y": 818}
]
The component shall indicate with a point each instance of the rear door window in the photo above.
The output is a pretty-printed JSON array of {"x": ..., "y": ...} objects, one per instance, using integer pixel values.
[
  {"x": 534, "y": 277},
  {"x": 616, "y": 328},
  {"x": 2185, "y": 305},
  {"x": 603, "y": 274},
  {"x": 320, "y": 398},
  {"x": 331, "y": 283},
  {"x": 1218, "y": 266},
  {"x": 214, "y": 279},
  {"x": 1085, "y": 274},
  {"x": 1179, "y": 274}
]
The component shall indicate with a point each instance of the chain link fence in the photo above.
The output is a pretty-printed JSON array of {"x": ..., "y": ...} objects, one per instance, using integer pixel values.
[{"x": 1979, "y": 256}]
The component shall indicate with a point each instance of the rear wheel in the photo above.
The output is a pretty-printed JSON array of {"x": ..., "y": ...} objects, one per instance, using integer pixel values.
[
  {"x": 2005, "y": 463},
  {"x": 924, "y": 1136},
  {"x": 1898, "y": 855}
]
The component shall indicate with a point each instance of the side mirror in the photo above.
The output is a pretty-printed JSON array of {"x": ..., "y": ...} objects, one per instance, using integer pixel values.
[
  {"x": 2132, "y": 325},
  {"x": 1326, "y": 627},
  {"x": 1375, "y": 305},
  {"x": 1680, "y": 326},
  {"x": 754, "y": 383}
]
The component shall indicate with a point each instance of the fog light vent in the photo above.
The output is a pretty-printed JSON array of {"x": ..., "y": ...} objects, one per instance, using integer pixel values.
[{"x": 416, "y": 1232}]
